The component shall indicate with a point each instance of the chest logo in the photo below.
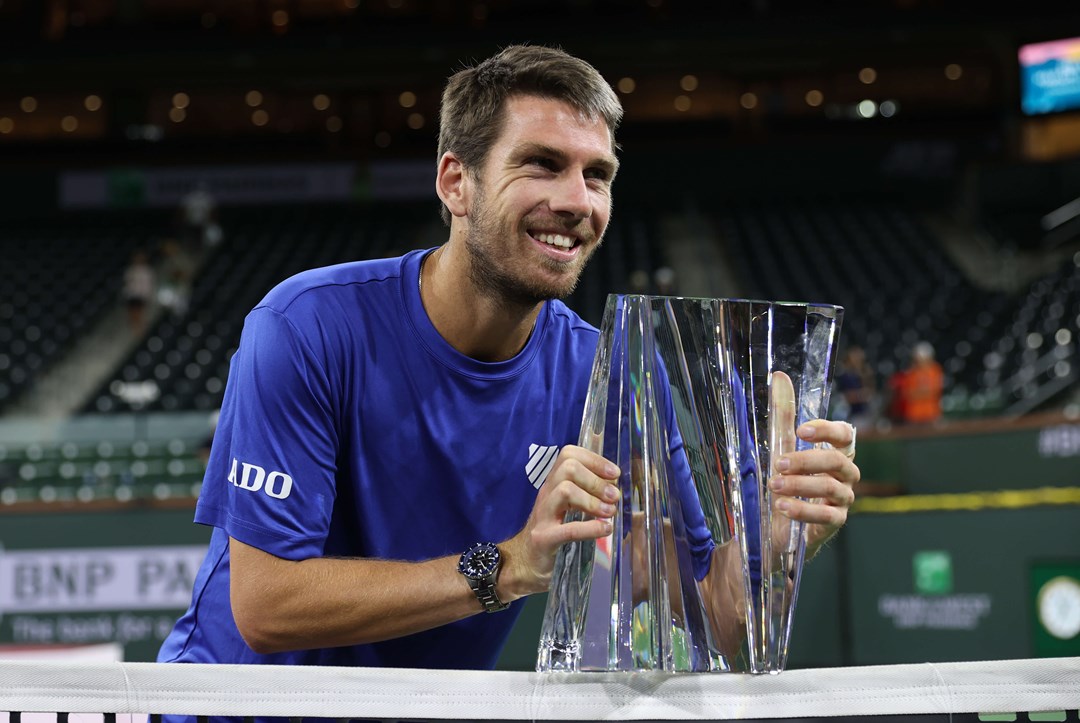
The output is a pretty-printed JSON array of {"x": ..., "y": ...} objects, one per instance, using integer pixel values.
[{"x": 541, "y": 460}]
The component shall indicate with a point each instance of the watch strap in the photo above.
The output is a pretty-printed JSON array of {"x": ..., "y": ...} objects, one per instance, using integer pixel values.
[{"x": 485, "y": 593}]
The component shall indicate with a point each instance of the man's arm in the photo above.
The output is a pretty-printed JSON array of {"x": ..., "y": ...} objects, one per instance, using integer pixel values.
[{"x": 284, "y": 605}]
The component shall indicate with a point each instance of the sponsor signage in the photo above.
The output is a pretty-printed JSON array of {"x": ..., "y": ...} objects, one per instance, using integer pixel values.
[
  {"x": 98, "y": 579},
  {"x": 253, "y": 478},
  {"x": 934, "y": 606},
  {"x": 950, "y": 612},
  {"x": 167, "y": 187},
  {"x": 1062, "y": 440},
  {"x": 145, "y": 187},
  {"x": 933, "y": 572}
]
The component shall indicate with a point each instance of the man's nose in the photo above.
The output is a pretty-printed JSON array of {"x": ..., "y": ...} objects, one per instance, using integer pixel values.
[{"x": 571, "y": 197}]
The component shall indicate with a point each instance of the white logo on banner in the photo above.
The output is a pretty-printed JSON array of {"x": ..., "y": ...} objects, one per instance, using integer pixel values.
[
  {"x": 541, "y": 460},
  {"x": 103, "y": 578},
  {"x": 948, "y": 612},
  {"x": 1060, "y": 441}
]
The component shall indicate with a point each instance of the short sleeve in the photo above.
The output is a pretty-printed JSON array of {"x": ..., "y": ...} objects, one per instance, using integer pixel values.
[{"x": 270, "y": 481}]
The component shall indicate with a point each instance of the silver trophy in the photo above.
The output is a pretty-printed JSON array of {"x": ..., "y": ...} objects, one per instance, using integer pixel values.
[{"x": 694, "y": 399}]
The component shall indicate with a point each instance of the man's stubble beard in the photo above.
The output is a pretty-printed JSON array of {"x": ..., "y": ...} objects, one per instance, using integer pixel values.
[{"x": 510, "y": 290}]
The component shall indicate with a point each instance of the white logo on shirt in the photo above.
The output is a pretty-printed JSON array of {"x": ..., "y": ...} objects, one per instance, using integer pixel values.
[
  {"x": 254, "y": 478},
  {"x": 541, "y": 460}
]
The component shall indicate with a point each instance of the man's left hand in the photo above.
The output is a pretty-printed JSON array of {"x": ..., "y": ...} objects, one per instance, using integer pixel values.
[{"x": 823, "y": 477}]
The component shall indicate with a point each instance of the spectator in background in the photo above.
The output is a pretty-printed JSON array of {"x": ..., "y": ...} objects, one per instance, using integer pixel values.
[
  {"x": 660, "y": 283},
  {"x": 138, "y": 290},
  {"x": 858, "y": 389},
  {"x": 198, "y": 219},
  {"x": 923, "y": 385},
  {"x": 177, "y": 269},
  {"x": 638, "y": 282},
  {"x": 917, "y": 389},
  {"x": 664, "y": 281}
]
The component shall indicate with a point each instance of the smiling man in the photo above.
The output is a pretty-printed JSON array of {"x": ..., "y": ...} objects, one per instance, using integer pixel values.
[{"x": 396, "y": 451}]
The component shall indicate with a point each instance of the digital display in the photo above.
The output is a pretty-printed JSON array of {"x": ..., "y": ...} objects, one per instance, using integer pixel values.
[{"x": 1050, "y": 76}]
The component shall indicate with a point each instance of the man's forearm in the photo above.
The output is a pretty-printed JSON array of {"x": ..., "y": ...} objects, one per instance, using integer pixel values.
[{"x": 284, "y": 605}]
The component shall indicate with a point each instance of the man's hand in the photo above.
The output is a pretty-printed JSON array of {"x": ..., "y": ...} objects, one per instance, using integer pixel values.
[
  {"x": 824, "y": 477},
  {"x": 580, "y": 480}
]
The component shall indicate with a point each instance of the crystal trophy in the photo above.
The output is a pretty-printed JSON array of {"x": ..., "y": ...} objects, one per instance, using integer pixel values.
[{"x": 695, "y": 399}]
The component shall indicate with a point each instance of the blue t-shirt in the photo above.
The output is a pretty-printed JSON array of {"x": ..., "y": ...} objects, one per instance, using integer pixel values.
[{"x": 351, "y": 428}]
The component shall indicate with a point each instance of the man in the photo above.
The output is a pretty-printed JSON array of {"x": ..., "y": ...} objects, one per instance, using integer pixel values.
[
  {"x": 379, "y": 415},
  {"x": 923, "y": 386}
]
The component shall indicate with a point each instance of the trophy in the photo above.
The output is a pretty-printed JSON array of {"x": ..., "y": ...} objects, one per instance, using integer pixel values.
[{"x": 695, "y": 400}]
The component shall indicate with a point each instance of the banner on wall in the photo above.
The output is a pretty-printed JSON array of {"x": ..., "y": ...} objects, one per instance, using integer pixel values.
[
  {"x": 934, "y": 605},
  {"x": 98, "y": 579},
  {"x": 247, "y": 184}
]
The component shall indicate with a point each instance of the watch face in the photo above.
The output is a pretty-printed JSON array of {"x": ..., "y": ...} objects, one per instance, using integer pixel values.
[
  {"x": 1059, "y": 607},
  {"x": 480, "y": 560}
]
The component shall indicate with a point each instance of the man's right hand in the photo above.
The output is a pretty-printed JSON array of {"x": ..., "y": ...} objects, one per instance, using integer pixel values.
[{"x": 580, "y": 480}]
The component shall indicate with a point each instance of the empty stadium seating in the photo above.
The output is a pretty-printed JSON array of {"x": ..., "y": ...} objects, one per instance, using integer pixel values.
[
  {"x": 1028, "y": 353},
  {"x": 898, "y": 286},
  {"x": 60, "y": 276},
  {"x": 66, "y": 472},
  {"x": 183, "y": 361}
]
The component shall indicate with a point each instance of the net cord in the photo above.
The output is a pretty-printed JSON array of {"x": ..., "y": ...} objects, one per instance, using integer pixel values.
[{"x": 289, "y": 691}]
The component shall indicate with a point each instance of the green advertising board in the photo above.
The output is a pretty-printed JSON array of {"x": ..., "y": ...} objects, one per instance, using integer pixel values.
[
  {"x": 955, "y": 586},
  {"x": 950, "y": 460}
]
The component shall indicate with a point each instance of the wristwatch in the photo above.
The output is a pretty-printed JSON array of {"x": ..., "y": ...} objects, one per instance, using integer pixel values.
[{"x": 480, "y": 566}]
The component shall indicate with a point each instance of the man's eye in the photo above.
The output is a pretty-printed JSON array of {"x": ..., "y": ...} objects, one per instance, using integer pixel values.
[{"x": 545, "y": 163}]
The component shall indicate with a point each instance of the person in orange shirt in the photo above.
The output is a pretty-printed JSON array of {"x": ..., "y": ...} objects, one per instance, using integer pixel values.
[{"x": 922, "y": 386}]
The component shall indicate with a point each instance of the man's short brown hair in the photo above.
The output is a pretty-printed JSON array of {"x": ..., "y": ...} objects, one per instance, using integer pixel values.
[{"x": 471, "y": 117}]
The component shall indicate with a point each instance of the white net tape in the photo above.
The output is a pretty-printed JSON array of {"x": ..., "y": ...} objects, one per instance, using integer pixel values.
[{"x": 212, "y": 690}]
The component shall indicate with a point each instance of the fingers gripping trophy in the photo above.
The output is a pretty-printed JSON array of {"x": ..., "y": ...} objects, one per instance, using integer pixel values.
[{"x": 712, "y": 409}]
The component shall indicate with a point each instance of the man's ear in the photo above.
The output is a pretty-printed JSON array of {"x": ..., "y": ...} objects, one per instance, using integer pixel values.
[{"x": 452, "y": 184}]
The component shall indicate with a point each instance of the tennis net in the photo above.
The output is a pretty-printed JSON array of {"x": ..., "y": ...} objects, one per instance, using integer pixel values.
[{"x": 119, "y": 691}]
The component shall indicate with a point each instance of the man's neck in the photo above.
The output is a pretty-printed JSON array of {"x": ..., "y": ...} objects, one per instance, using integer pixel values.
[{"x": 470, "y": 320}]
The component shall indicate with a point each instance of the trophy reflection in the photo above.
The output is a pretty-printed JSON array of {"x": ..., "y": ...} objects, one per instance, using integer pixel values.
[{"x": 694, "y": 399}]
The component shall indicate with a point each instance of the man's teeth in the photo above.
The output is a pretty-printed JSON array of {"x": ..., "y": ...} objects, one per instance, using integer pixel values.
[{"x": 556, "y": 240}]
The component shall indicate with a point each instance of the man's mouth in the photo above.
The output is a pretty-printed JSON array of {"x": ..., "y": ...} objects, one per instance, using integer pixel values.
[{"x": 556, "y": 239}]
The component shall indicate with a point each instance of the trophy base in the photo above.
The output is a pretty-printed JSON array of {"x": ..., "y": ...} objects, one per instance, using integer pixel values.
[{"x": 556, "y": 655}]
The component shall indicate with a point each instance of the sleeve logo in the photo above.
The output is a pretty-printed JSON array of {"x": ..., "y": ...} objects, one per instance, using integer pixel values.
[{"x": 254, "y": 478}]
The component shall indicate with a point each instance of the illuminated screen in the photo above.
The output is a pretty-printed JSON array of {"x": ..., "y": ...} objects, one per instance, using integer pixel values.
[{"x": 1050, "y": 76}]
